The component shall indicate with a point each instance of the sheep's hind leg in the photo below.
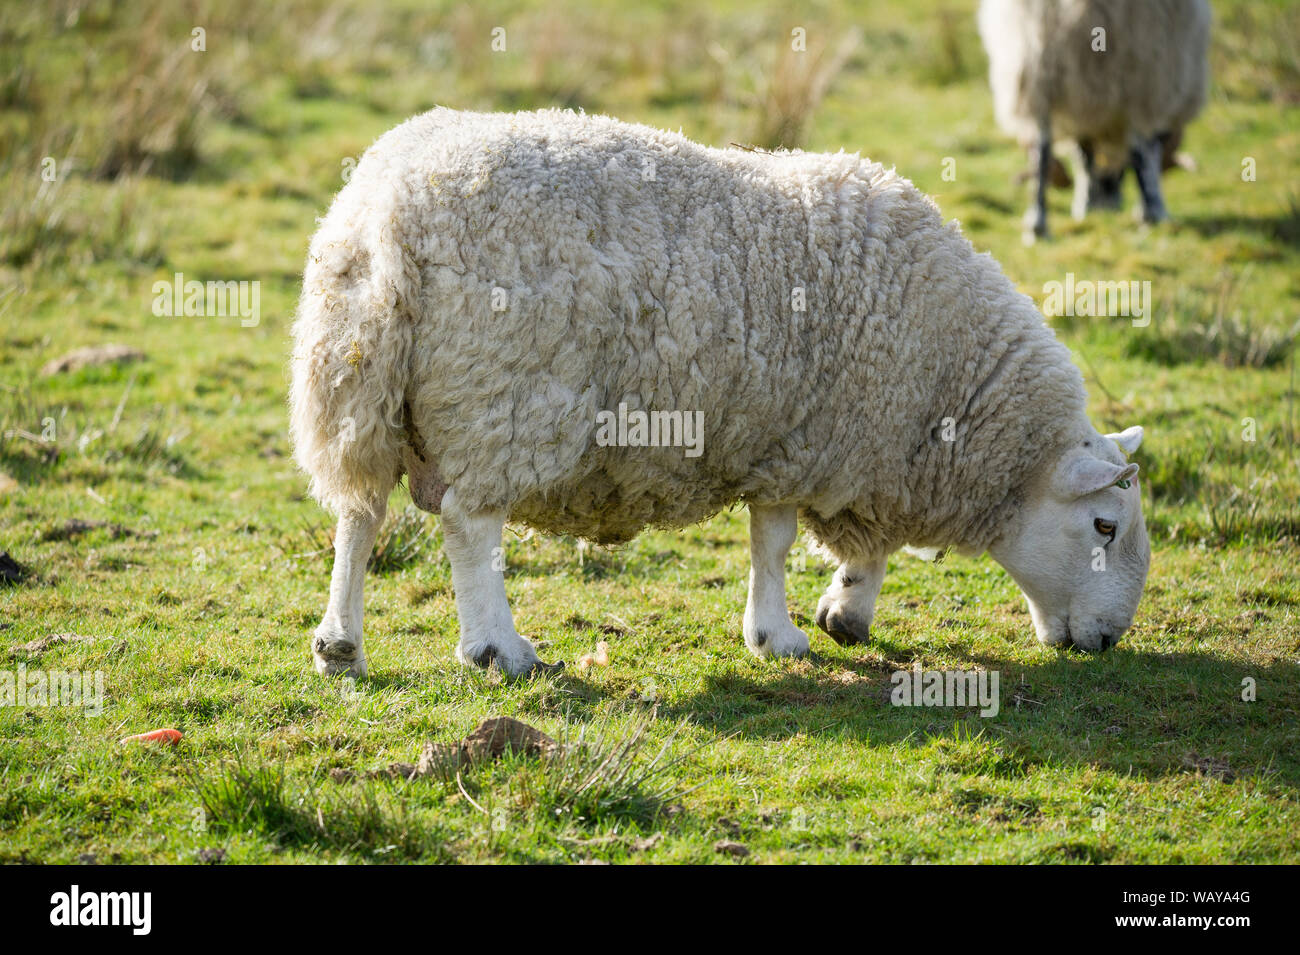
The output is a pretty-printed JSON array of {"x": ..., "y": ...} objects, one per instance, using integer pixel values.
[
  {"x": 767, "y": 627},
  {"x": 847, "y": 608},
  {"x": 472, "y": 541},
  {"x": 1036, "y": 216},
  {"x": 1145, "y": 159},
  {"x": 336, "y": 645}
]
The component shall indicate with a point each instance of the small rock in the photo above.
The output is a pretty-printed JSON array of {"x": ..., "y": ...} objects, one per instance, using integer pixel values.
[{"x": 212, "y": 856}]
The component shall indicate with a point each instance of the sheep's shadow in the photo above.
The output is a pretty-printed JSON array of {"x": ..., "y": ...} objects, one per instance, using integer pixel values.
[
  {"x": 1128, "y": 711},
  {"x": 1283, "y": 227}
]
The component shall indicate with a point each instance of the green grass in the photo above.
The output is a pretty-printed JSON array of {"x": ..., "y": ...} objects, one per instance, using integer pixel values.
[{"x": 202, "y": 599}]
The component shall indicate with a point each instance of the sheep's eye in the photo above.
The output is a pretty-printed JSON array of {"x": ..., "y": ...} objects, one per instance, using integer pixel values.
[{"x": 1104, "y": 527}]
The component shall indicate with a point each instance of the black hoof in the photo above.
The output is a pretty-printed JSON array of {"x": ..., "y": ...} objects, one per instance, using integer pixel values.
[
  {"x": 485, "y": 657},
  {"x": 842, "y": 628}
]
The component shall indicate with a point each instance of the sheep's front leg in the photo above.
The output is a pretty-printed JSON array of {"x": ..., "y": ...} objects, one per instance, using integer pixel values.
[
  {"x": 336, "y": 644},
  {"x": 847, "y": 608},
  {"x": 472, "y": 541},
  {"x": 1145, "y": 158},
  {"x": 767, "y": 628}
]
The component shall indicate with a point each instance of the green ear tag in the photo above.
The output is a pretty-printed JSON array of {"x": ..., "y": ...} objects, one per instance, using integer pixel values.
[{"x": 1122, "y": 483}]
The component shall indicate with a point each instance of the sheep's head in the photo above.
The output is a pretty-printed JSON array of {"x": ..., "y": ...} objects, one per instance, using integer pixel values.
[{"x": 1078, "y": 547}]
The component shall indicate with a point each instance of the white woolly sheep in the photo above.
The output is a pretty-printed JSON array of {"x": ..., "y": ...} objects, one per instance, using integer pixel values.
[
  {"x": 1118, "y": 78},
  {"x": 488, "y": 290}
]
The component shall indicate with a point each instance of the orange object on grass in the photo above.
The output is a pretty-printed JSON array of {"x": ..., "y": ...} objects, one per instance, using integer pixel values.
[{"x": 155, "y": 736}]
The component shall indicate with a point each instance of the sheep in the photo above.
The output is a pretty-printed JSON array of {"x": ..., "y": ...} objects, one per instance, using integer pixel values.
[
  {"x": 495, "y": 304},
  {"x": 1121, "y": 79}
]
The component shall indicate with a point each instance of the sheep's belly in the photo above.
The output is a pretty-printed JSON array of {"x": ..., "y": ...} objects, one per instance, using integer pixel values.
[{"x": 598, "y": 509}]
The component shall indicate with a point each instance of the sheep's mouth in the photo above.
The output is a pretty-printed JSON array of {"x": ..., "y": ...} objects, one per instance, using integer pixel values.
[{"x": 1106, "y": 640}]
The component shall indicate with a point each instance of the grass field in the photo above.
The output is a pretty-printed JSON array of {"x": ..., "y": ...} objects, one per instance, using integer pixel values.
[{"x": 153, "y": 507}]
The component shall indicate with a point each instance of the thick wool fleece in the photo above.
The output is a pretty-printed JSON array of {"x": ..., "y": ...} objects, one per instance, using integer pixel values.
[
  {"x": 1043, "y": 67},
  {"x": 485, "y": 285}
]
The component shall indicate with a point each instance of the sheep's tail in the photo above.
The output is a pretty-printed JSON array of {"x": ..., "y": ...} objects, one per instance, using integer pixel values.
[{"x": 351, "y": 356}]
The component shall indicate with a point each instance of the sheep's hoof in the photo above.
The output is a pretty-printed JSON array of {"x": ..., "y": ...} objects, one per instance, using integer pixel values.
[
  {"x": 354, "y": 667},
  {"x": 510, "y": 653},
  {"x": 1035, "y": 227},
  {"x": 780, "y": 641},
  {"x": 336, "y": 653},
  {"x": 844, "y": 628}
]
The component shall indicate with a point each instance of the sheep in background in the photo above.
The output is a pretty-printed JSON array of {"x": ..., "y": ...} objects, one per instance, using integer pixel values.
[
  {"x": 488, "y": 290},
  {"x": 1119, "y": 78}
]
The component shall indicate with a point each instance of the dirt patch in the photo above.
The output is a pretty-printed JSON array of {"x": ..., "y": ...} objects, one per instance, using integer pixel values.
[
  {"x": 75, "y": 527},
  {"x": 37, "y": 647},
  {"x": 492, "y": 739},
  {"x": 646, "y": 843},
  {"x": 727, "y": 847},
  {"x": 1210, "y": 766},
  {"x": 90, "y": 356}
]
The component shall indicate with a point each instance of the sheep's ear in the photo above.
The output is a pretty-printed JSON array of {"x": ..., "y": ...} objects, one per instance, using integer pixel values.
[
  {"x": 1087, "y": 475},
  {"x": 1128, "y": 440}
]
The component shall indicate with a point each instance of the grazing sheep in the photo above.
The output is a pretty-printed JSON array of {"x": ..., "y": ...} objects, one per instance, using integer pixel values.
[
  {"x": 1119, "y": 78},
  {"x": 489, "y": 292}
]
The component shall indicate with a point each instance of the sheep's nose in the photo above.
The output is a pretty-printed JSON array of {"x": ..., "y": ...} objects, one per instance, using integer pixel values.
[{"x": 1108, "y": 640}]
